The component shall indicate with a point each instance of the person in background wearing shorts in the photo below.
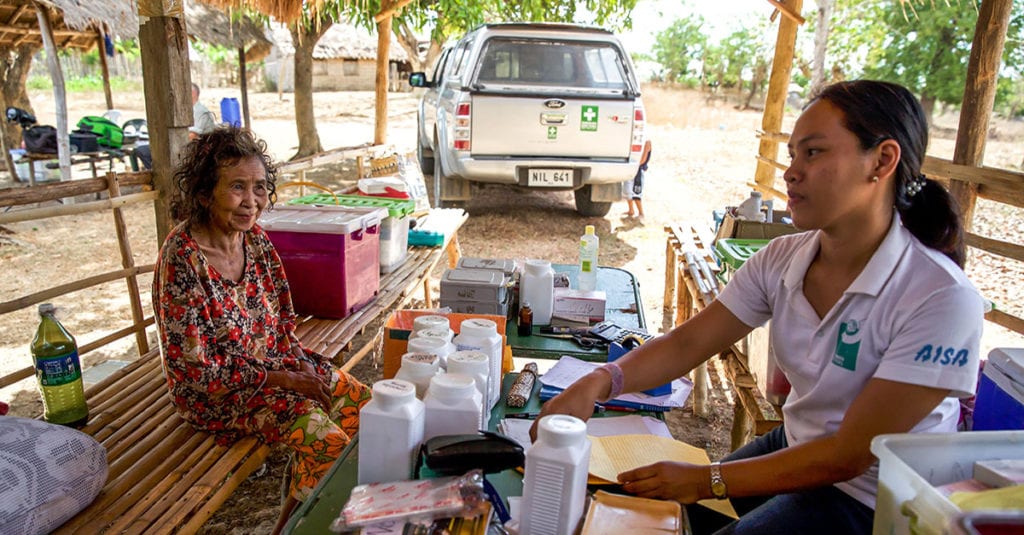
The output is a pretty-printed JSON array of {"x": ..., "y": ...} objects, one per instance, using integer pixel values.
[{"x": 633, "y": 189}]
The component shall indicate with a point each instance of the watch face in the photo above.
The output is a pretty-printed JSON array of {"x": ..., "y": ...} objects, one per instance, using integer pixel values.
[{"x": 718, "y": 489}]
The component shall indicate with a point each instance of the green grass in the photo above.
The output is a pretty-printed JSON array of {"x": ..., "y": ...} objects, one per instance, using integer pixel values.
[{"x": 87, "y": 83}]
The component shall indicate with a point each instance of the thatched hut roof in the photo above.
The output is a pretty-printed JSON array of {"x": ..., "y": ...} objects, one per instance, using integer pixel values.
[
  {"x": 283, "y": 10},
  {"x": 212, "y": 25},
  {"x": 74, "y": 24},
  {"x": 341, "y": 41}
]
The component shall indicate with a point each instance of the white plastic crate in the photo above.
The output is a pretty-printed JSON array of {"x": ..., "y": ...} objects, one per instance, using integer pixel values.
[{"x": 911, "y": 465}]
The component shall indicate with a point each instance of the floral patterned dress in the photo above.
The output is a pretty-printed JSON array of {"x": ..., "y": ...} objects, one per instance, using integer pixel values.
[{"x": 219, "y": 338}]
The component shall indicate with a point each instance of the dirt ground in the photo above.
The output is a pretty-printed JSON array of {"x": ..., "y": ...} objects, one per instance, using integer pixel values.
[{"x": 703, "y": 159}]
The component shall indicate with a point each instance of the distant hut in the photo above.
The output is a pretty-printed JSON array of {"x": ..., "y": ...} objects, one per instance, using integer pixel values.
[{"x": 344, "y": 60}]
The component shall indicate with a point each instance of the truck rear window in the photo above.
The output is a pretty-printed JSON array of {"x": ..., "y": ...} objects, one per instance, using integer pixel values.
[{"x": 531, "y": 62}]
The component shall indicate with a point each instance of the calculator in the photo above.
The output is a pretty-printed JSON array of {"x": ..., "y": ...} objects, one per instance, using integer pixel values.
[{"x": 609, "y": 331}]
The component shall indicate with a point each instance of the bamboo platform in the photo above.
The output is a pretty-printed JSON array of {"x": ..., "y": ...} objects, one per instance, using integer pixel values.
[
  {"x": 689, "y": 287},
  {"x": 166, "y": 477}
]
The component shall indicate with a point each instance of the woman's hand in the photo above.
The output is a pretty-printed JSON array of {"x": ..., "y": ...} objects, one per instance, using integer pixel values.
[
  {"x": 577, "y": 400},
  {"x": 686, "y": 483},
  {"x": 304, "y": 381}
]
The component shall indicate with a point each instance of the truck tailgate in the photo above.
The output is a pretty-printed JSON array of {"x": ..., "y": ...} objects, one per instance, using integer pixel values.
[{"x": 526, "y": 126}]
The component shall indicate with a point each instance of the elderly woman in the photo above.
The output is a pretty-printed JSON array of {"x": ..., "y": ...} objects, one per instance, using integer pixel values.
[{"x": 227, "y": 326}]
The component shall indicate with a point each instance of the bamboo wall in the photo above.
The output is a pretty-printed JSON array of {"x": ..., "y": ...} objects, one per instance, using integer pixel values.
[
  {"x": 112, "y": 183},
  {"x": 994, "y": 184}
]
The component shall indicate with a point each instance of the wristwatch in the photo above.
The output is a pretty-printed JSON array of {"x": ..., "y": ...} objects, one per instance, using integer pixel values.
[{"x": 718, "y": 488}]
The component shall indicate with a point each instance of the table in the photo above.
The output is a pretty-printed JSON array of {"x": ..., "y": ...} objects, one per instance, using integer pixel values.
[
  {"x": 317, "y": 513},
  {"x": 623, "y": 306},
  {"x": 91, "y": 158}
]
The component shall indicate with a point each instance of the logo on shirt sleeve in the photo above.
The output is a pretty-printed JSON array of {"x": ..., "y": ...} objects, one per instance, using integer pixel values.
[
  {"x": 847, "y": 345},
  {"x": 945, "y": 356}
]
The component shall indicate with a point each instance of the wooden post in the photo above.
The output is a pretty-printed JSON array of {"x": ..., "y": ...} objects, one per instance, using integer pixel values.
[
  {"x": 102, "y": 48},
  {"x": 380, "y": 130},
  {"x": 775, "y": 102},
  {"x": 59, "y": 92},
  {"x": 979, "y": 96},
  {"x": 245, "y": 86},
  {"x": 168, "y": 88}
]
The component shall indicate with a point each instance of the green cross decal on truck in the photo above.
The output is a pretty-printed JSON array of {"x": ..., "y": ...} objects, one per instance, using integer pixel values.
[{"x": 588, "y": 119}]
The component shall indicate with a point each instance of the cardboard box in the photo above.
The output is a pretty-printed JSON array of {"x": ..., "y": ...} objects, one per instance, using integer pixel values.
[
  {"x": 399, "y": 325},
  {"x": 740, "y": 228},
  {"x": 576, "y": 303}
]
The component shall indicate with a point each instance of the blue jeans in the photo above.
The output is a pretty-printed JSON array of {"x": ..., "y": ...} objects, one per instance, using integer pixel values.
[{"x": 820, "y": 510}]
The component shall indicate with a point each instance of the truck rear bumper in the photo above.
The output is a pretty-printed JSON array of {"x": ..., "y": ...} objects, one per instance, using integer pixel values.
[{"x": 508, "y": 171}]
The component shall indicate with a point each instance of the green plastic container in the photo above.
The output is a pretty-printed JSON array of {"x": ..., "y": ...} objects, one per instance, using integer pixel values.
[
  {"x": 394, "y": 230},
  {"x": 733, "y": 252}
]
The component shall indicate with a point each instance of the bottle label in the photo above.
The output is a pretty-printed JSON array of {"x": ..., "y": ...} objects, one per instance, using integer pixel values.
[
  {"x": 586, "y": 266},
  {"x": 58, "y": 370}
]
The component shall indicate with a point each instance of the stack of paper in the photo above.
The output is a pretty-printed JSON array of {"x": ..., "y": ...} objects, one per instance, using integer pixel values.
[{"x": 570, "y": 369}]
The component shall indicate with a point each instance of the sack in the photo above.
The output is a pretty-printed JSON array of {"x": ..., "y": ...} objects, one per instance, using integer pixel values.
[
  {"x": 40, "y": 139},
  {"x": 109, "y": 134},
  {"x": 84, "y": 141}
]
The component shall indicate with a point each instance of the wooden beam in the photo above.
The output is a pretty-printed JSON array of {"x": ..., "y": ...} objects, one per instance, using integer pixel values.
[
  {"x": 380, "y": 130},
  {"x": 998, "y": 247},
  {"x": 59, "y": 91},
  {"x": 775, "y": 101},
  {"x": 387, "y": 10},
  {"x": 788, "y": 12},
  {"x": 244, "y": 82},
  {"x": 27, "y": 30},
  {"x": 1009, "y": 321},
  {"x": 101, "y": 47},
  {"x": 167, "y": 83},
  {"x": 979, "y": 97}
]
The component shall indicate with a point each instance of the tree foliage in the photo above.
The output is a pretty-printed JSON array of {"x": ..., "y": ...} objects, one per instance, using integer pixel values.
[{"x": 680, "y": 46}]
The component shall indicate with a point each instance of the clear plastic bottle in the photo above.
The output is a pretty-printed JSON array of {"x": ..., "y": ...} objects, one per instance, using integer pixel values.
[
  {"x": 555, "y": 479},
  {"x": 453, "y": 406},
  {"x": 537, "y": 287},
  {"x": 589, "y": 244},
  {"x": 390, "y": 432},
  {"x": 58, "y": 371}
]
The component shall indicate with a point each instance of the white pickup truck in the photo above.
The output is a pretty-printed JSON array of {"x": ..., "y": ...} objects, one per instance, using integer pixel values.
[{"x": 545, "y": 106}]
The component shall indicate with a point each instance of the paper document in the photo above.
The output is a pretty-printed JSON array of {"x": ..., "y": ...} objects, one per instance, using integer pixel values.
[
  {"x": 518, "y": 429},
  {"x": 610, "y": 456},
  {"x": 570, "y": 369}
]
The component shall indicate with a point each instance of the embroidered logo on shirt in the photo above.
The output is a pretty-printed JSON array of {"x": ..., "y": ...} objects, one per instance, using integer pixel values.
[
  {"x": 847, "y": 345},
  {"x": 946, "y": 356}
]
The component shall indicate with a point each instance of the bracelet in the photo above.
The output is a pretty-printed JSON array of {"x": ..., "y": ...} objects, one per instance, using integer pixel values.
[{"x": 615, "y": 372}]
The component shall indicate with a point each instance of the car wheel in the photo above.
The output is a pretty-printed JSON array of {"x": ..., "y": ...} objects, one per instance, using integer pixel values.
[
  {"x": 588, "y": 208},
  {"x": 426, "y": 162}
]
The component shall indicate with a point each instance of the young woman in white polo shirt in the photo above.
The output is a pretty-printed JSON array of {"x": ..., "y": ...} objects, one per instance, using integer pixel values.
[{"x": 873, "y": 322}]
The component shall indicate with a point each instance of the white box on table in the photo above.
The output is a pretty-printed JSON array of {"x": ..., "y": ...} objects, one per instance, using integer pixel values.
[{"x": 579, "y": 303}]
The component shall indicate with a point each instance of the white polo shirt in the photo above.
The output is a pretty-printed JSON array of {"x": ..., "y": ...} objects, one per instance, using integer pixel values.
[{"x": 910, "y": 316}]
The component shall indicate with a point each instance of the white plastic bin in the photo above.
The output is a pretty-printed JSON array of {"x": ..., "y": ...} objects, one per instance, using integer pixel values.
[{"x": 911, "y": 466}]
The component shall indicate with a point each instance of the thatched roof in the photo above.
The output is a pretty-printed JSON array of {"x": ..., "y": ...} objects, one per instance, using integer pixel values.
[
  {"x": 341, "y": 41},
  {"x": 214, "y": 26},
  {"x": 283, "y": 10},
  {"x": 74, "y": 25}
]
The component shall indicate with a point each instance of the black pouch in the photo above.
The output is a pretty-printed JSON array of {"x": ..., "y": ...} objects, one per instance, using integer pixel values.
[
  {"x": 457, "y": 454},
  {"x": 40, "y": 139},
  {"x": 84, "y": 141}
]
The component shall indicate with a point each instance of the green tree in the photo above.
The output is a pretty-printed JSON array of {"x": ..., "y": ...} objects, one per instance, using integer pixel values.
[
  {"x": 742, "y": 60},
  {"x": 679, "y": 46}
]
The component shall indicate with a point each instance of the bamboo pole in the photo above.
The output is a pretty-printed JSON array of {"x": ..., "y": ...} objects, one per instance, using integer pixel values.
[
  {"x": 1006, "y": 320},
  {"x": 380, "y": 129},
  {"x": 999, "y": 247},
  {"x": 59, "y": 91},
  {"x": 117, "y": 335},
  {"x": 47, "y": 212},
  {"x": 128, "y": 262},
  {"x": 56, "y": 291},
  {"x": 101, "y": 47},
  {"x": 243, "y": 79},
  {"x": 60, "y": 190}
]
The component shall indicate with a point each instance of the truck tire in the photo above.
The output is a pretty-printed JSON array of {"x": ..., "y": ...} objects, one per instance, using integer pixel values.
[
  {"x": 426, "y": 162},
  {"x": 588, "y": 208}
]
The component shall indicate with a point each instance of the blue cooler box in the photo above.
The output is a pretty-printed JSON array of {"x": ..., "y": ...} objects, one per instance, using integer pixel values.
[{"x": 1000, "y": 402}]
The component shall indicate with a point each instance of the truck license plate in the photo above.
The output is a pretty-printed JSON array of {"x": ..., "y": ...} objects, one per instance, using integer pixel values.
[{"x": 549, "y": 177}]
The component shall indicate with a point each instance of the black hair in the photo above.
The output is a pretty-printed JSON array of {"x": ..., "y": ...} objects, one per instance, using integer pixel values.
[
  {"x": 196, "y": 175},
  {"x": 876, "y": 111}
]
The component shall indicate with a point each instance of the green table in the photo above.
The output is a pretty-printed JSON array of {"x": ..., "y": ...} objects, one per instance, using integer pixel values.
[
  {"x": 317, "y": 513},
  {"x": 623, "y": 306}
]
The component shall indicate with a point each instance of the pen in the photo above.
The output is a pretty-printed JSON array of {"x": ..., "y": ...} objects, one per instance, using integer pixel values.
[{"x": 523, "y": 415}]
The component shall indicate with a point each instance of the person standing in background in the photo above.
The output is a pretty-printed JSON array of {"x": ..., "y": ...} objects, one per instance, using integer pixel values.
[
  {"x": 634, "y": 188},
  {"x": 203, "y": 120}
]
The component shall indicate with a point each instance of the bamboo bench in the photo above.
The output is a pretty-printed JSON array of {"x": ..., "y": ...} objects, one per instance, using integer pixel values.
[{"x": 166, "y": 477}]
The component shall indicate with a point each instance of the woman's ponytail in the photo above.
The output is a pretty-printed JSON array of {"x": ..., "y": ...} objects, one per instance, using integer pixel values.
[{"x": 931, "y": 214}]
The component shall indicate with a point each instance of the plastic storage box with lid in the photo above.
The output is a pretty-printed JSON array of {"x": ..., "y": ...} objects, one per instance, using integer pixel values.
[
  {"x": 912, "y": 465},
  {"x": 475, "y": 291},
  {"x": 330, "y": 255},
  {"x": 733, "y": 252},
  {"x": 1000, "y": 402},
  {"x": 394, "y": 229}
]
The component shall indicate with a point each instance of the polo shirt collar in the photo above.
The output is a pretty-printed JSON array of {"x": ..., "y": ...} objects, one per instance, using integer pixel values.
[{"x": 874, "y": 275}]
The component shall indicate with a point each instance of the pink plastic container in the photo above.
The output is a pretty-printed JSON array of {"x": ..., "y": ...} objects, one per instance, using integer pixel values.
[{"x": 331, "y": 255}]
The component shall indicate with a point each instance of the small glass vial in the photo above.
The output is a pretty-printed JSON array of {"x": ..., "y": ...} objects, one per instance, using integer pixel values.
[{"x": 525, "y": 320}]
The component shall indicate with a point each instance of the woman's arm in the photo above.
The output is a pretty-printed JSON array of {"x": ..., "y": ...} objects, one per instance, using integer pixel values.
[
  {"x": 656, "y": 362},
  {"x": 882, "y": 407}
]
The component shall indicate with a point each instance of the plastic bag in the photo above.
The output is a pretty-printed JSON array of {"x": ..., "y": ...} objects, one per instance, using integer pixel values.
[{"x": 413, "y": 501}]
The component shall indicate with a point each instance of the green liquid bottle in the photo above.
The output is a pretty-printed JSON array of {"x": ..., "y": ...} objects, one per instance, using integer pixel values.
[{"x": 55, "y": 355}]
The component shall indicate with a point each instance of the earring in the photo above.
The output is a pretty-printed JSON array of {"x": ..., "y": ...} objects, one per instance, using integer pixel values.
[{"x": 874, "y": 178}]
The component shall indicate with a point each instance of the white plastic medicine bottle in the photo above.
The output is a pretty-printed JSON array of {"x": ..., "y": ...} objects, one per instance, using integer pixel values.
[
  {"x": 482, "y": 335},
  {"x": 475, "y": 364},
  {"x": 555, "y": 479},
  {"x": 452, "y": 406},
  {"x": 390, "y": 432},
  {"x": 537, "y": 287},
  {"x": 418, "y": 369}
]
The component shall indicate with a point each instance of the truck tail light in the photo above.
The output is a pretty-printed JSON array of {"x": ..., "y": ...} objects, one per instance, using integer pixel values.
[
  {"x": 637, "y": 144},
  {"x": 462, "y": 126}
]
